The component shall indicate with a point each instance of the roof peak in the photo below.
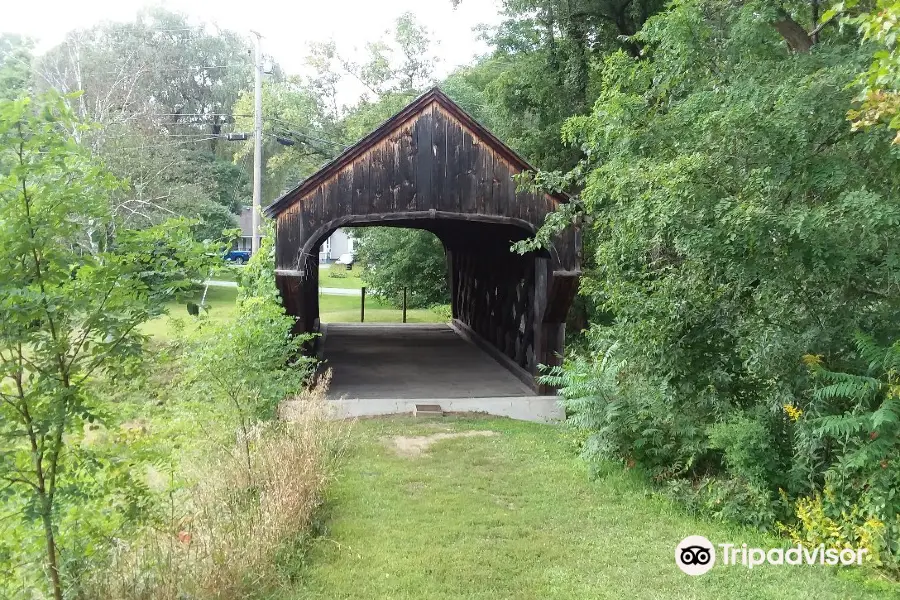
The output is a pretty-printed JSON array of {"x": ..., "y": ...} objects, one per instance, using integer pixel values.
[{"x": 416, "y": 106}]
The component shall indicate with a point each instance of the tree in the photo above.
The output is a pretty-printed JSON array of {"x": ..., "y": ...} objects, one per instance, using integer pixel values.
[
  {"x": 164, "y": 92},
  {"x": 880, "y": 95},
  {"x": 402, "y": 63},
  {"x": 15, "y": 65},
  {"x": 159, "y": 72},
  {"x": 397, "y": 259},
  {"x": 71, "y": 299},
  {"x": 292, "y": 114},
  {"x": 736, "y": 224}
]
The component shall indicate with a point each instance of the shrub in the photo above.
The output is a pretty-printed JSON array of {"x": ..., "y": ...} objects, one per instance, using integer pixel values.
[
  {"x": 746, "y": 445},
  {"x": 851, "y": 430},
  {"x": 443, "y": 311},
  {"x": 819, "y": 521},
  {"x": 729, "y": 499},
  {"x": 630, "y": 418},
  {"x": 74, "y": 290}
]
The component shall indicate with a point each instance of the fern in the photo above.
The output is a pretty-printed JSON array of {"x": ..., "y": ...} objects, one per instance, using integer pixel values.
[
  {"x": 888, "y": 414},
  {"x": 858, "y": 434}
]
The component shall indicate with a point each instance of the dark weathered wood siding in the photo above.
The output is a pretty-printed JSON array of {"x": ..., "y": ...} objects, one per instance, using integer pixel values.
[
  {"x": 433, "y": 167},
  {"x": 429, "y": 162}
]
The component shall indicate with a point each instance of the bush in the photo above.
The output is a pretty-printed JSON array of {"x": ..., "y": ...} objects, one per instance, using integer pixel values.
[
  {"x": 241, "y": 489},
  {"x": 746, "y": 445},
  {"x": 444, "y": 311},
  {"x": 735, "y": 224},
  {"x": 850, "y": 444},
  {"x": 630, "y": 418},
  {"x": 729, "y": 499},
  {"x": 821, "y": 520}
]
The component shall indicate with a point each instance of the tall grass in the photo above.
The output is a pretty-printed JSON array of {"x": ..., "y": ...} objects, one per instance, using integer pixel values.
[{"x": 224, "y": 534}]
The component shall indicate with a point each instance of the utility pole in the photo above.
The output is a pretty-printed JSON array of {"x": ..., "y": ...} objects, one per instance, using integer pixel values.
[{"x": 257, "y": 147}]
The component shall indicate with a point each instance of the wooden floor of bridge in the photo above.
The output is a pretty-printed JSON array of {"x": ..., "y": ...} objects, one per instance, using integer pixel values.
[{"x": 412, "y": 361}]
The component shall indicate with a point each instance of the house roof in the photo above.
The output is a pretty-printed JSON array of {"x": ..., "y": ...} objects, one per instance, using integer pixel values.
[{"x": 434, "y": 95}]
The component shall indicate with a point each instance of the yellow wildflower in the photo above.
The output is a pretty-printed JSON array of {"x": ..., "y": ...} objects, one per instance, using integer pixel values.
[
  {"x": 812, "y": 360},
  {"x": 793, "y": 412}
]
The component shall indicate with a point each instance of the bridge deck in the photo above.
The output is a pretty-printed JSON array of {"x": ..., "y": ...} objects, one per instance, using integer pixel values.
[{"x": 412, "y": 361}]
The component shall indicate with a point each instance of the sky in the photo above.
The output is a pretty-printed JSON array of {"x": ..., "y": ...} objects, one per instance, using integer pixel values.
[{"x": 287, "y": 26}]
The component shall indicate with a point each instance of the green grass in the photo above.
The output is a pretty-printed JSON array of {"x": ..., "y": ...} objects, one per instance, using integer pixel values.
[
  {"x": 516, "y": 516},
  {"x": 220, "y": 302},
  {"x": 333, "y": 309},
  {"x": 345, "y": 309},
  {"x": 227, "y": 273},
  {"x": 346, "y": 279}
]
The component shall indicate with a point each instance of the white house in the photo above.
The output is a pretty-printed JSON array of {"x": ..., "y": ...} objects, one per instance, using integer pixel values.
[
  {"x": 340, "y": 242},
  {"x": 246, "y": 225}
]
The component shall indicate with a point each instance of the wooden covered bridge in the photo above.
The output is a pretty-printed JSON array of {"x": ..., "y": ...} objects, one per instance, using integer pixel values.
[{"x": 432, "y": 166}]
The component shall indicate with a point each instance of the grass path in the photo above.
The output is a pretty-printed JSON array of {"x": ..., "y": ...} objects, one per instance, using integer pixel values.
[{"x": 515, "y": 515}]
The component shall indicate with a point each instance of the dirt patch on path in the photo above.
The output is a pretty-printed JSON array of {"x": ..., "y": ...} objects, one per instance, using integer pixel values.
[{"x": 412, "y": 447}]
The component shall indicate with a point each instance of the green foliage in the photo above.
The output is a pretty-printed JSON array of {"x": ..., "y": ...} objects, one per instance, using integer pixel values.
[
  {"x": 851, "y": 430},
  {"x": 367, "y": 115},
  {"x": 880, "y": 83},
  {"x": 160, "y": 115},
  {"x": 291, "y": 111},
  {"x": 736, "y": 222},
  {"x": 444, "y": 312},
  {"x": 395, "y": 259},
  {"x": 251, "y": 362},
  {"x": 71, "y": 299},
  {"x": 630, "y": 418},
  {"x": 257, "y": 278},
  {"x": 745, "y": 443},
  {"x": 15, "y": 65}
]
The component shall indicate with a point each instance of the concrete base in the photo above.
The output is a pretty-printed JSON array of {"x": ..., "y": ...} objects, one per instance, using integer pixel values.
[{"x": 540, "y": 409}]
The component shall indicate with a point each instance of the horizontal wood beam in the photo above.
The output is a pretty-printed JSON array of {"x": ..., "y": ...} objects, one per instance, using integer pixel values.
[{"x": 290, "y": 273}]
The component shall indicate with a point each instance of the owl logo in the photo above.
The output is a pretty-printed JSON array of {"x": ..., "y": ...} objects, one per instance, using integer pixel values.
[{"x": 695, "y": 555}]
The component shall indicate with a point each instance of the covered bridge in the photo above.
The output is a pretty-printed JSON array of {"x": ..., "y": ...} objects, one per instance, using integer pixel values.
[{"x": 432, "y": 166}]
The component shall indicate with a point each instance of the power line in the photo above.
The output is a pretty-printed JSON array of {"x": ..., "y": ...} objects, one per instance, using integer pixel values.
[
  {"x": 169, "y": 145},
  {"x": 200, "y": 115},
  {"x": 309, "y": 137}
]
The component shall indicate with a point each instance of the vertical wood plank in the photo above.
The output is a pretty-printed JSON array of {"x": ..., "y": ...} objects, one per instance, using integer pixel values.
[
  {"x": 470, "y": 167},
  {"x": 392, "y": 160},
  {"x": 345, "y": 194},
  {"x": 450, "y": 198},
  {"x": 483, "y": 202},
  {"x": 501, "y": 174},
  {"x": 440, "y": 169},
  {"x": 360, "y": 201},
  {"x": 376, "y": 180},
  {"x": 424, "y": 160},
  {"x": 407, "y": 170}
]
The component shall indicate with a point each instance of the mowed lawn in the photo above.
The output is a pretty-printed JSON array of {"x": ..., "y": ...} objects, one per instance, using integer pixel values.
[
  {"x": 337, "y": 276},
  {"x": 221, "y": 305},
  {"x": 346, "y": 309},
  {"x": 515, "y": 515}
]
